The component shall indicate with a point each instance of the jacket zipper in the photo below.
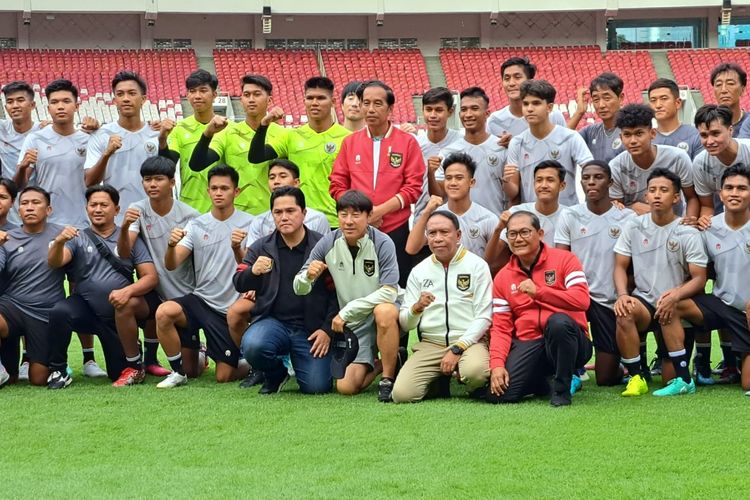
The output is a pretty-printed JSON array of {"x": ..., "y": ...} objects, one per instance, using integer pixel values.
[{"x": 447, "y": 322}]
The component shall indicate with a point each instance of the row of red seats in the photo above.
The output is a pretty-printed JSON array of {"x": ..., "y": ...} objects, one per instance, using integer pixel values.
[{"x": 693, "y": 68}]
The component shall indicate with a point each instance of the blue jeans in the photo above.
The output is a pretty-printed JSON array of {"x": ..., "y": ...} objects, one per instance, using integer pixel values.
[{"x": 268, "y": 338}]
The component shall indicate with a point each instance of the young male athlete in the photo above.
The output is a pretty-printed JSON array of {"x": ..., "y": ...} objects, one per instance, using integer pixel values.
[
  {"x": 351, "y": 107},
  {"x": 664, "y": 99},
  {"x": 8, "y": 193}
]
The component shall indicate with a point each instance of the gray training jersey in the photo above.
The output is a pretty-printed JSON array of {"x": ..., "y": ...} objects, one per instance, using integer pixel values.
[
  {"x": 95, "y": 278},
  {"x": 503, "y": 121},
  {"x": 431, "y": 149},
  {"x": 10, "y": 149},
  {"x": 32, "y": 285},
  {"x": 604, "y": 144},
  {"x": 707, "y": 169},
  {"x": 59, "y": 170},
  {"x": 154, "y": 231},
  {"x": 684, "y": 137},
  {"x": 487, "y": 190},
  {"x": 123, "y": 170},
  {"x": 263, "y": 225},
  {"x": 548, "y": 222},
  {"x": 729, "y": 250},
  {"x": 564, "y": 145},
  {"x": 629, "y": 181},
  {"x": 660, "y": 254},
  {"x": 210, "y": 240},
  {"x": 592, "y": 238},
  {"x": 477, "y": 225}
]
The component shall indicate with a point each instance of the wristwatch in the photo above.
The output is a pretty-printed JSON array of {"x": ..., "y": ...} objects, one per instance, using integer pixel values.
[{"x": 456, "y": 350}]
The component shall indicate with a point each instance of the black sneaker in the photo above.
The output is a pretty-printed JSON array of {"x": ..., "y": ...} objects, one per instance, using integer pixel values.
[
  {"x": 253, "y": 378},
  {"x": 560, "y": 399},
  {"x": 275, "y": 381},
  {"x": 385, "y": 389},
  {"x": 58, "y": 380}
]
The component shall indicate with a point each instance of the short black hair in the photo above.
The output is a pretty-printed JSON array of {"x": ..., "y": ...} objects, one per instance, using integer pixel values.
[
  {"x": 114, "y": 195},
  {"x": 222, "y": 170},
  {"x": 350, "y": 88},
  {"x": 598, "y": 163},
  {"x": 319, "y": 82},
  {"x": 436, "y": 95},
  {"x": 539, "y": 88},
  {"x": 286, "y": 164},
  {"x": 158, "y": 165},
  {"x": 18, "y": 86},
  {"x": 448, "y": 215},
  {"x": 356, "y": 200},
  {"x": 462, "y": 158},
  {"x": 10, "y": 186},
  {"x": 259, "y": 80},
  {"x": 668, "y": 174},
  {"x": 607, "y": 81},
  {"x": 129, "y": 76},
  {"x": 665, "y": 83},
  {"x": 36, "y": 189},
  {"x": 551, "y": 164},
  {"x": 532, "y": 216},
  {"x": 390, "y": 96},
  {"x": 528, "y": 69},
  {"x": 201, "y": 77},
  {"x": 709, "y": 113},
  {"x": 61, "y": 85},
  {"x": 738, "y": 169},
  {"x": 295, "y": 192},
  {"x": 725, "y": 67},
  {"x": 476, "y": 92},
  {"x": 634, "y": 115}
]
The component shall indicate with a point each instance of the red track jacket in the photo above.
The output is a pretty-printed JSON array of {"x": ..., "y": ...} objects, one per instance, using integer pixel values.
[{"x": 560, "y": 287}]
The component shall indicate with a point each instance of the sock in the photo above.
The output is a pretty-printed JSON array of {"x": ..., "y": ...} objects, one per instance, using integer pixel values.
[
  {"x": 730, "y": 360},
  {"x": 88, "y": 355},
  {"x": 633, "y": 365},
  {"x": 24, "y": 357},
  {"x": 175, "y": 362},
  {"x": 134, "y": 362},
  {"x": 680, "y": 363},
  {"x": 152, "y": 348},
  {"x": 643, "y": 356},
  {"x": 703, "y": 359}
]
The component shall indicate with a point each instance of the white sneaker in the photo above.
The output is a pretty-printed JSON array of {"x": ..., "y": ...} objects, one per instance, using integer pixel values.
[
  {"x": 92, "y": 370},
  {"x": 174, "y": 379},
  {"x": 23, "y": 371},
  {"x": 746, "y": 394},
  {"x": 4, "y": 377}
]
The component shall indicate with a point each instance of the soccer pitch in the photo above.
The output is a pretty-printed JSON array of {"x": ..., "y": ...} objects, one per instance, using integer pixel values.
[{"x": 218, "y": 441}]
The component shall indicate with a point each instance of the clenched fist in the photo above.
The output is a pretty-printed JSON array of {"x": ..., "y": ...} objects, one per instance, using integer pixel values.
[
  {"x": 131, "y": 216},
  {"x": 176, "y": 236},
  {"x": 425, "y": 299},
  {"x": 115, "y": 143},
  {"x": 237, "y": 236},
  {"x": 67, "y": 234},
  {"x": 262, "y": 266},
  {"x": 315, "y": 269},
  {"x": 274, "y": 114},
  {"x": 166, "y": 127},
  {"x": 29, "y": 158},
  {"x": 216, "y": 125}
]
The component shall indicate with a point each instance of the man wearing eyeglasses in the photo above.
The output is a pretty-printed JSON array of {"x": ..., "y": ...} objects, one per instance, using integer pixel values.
[{"x": 539, "y": 326}]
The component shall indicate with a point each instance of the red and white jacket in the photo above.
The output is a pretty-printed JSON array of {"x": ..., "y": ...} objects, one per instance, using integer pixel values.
[
  {"x": 561, "y": 286},
  {"x": 400, "y": 171}
]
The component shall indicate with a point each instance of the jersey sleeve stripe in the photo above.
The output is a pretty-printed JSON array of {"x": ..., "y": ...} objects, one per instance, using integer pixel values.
[
  {"x": 501, "y": 309},
  {"x": 576, "y": 281},
  {"x": 500, "y": 302}
]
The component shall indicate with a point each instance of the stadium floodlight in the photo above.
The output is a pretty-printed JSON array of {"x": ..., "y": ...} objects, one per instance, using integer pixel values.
[
  {"x": 726, "y": 12},
  {"x": 150, "y": 19},
  {"x": 26, "y": 18},
  {"x": 379, "y": 19},
  {"x": 266, "y": 18},
  {"x": 493, "y": 18}
]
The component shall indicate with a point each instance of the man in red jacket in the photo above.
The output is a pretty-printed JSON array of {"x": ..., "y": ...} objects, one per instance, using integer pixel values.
[
  {"x": 539, "y": 323},
  {"x": 386, "y": 164}
]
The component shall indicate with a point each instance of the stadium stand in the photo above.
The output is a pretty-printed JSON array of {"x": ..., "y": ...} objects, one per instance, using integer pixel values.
[
  {"x": 693, "y": 68},
  {"x": 403, "y": 70},
  {"x": 92, "y": 71},
  {"x": 287, "y": 70},
  {"x": 567, "y": 68}
]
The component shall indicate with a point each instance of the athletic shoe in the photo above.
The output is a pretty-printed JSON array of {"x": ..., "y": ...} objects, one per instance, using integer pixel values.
[
  {"x": 655, "y": 367},
  {"x": 637, "y": 386},
  {"x": 203, "y": 356},
  {"x": 729, "y": 376},
  {"x": 747, "y": 393},
  {"x": 23, "y": 371},
  {"x": 288, "y": 364},
  {"x": 575, "y": 384},
  {"x": 275, "y": 381},
  {"x": 129, "y": 376},
  {"x": 92, "y": 370},
  {"x": 584, "y": 375},
  {"x": 703, "y": 380},
  {"x": 58, "y": 380},
  {"x": 157, "y": 370},
  {"x": 4, "y": 376},
  {"x": 560, "y": 399},
  {"x": 676, "y": 387},
  {"x": 718, "y": 368},
  {"x": 253, "y": 378},
  {"x": 385, "y": 389},
  {"x": 174, "y": 379}
]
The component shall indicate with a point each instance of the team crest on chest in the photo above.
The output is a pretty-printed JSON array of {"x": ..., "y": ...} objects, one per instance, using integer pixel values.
[
  {"x": 205, "y": 236},
  {"x": 747, "y": 247},
  {"x": 583, "y": 230},
  {"x": 369, "y": 267},
  {"x": 81, "y": 152},
  {"x": 493, "y": 160},
  {"x": 616, "y": 143},
  {"x": 683, "y": 146},
  {"x": 474, "y": 232},
  {"x": 150, "y": 147},
  {"x": 395, "y": 159},
  {"x": 550, "y": 277},
  {"x": 463, "y": 282},
  {"x": 614, "y": 232},
  {"x": 673, "y": 245},
  {"x": 330, "y": 147},
  {"x": 555, "y": 154}
]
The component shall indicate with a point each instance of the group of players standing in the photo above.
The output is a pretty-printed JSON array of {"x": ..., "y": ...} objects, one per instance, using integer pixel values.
[{"x": 420, "y": 226}]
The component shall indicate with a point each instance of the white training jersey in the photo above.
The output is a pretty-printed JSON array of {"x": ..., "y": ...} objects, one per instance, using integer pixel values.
[
  {"x": 707, "y": 169},
  {"x": 10, "y": 149},
  {"x": 503, "y": 121},
  {"x": 729, "y": 249},
  {"x": 477, "y": 225},
  {"x": 429, "y": 149},
  {"x": 547, "y": 222}
]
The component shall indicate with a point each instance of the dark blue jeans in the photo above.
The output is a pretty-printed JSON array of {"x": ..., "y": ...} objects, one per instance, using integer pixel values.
[{"x": 267, "y": 339}]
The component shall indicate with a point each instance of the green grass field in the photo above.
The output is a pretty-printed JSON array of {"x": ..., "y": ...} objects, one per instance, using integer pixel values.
[{"x": 211, "y": 441}]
